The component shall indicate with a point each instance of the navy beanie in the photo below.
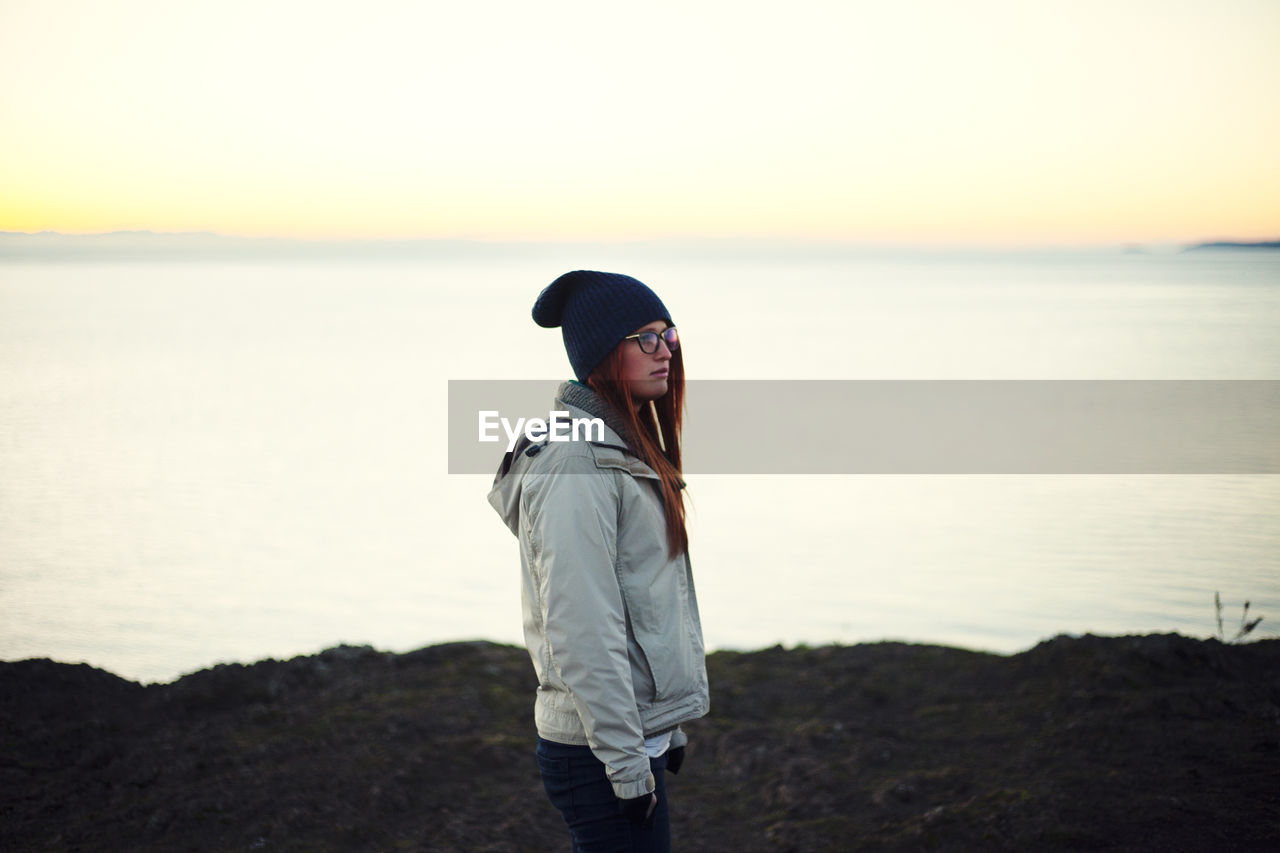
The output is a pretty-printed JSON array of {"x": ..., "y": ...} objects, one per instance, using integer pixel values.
[{"x": 595, "y": 311}]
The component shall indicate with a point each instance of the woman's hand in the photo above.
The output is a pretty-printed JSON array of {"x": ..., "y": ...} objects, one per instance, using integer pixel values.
[{"x": 638, "y": 809}]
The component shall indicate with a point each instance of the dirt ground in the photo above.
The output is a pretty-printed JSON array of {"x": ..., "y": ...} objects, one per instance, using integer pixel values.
[{"x": 1123, "y": 743}]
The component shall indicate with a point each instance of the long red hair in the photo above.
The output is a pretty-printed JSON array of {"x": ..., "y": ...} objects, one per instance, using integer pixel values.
[{"x": 655, "y": 430}]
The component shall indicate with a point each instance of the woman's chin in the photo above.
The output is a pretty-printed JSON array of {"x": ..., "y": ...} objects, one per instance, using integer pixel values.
[{"x": 649, "y": 389}]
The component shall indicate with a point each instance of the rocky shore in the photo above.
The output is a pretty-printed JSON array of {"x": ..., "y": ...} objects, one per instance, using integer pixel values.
[{"x": 1124, "y": 743}]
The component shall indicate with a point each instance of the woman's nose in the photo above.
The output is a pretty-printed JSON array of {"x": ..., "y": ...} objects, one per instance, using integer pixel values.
[{"x": 662, "y": 353}]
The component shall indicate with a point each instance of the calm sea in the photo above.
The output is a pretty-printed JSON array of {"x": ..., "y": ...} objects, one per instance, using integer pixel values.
[{"x": 208, "y": 462}]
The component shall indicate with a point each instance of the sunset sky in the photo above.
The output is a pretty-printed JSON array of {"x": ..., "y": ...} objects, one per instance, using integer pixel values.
[{"x": 917, "y": 122}]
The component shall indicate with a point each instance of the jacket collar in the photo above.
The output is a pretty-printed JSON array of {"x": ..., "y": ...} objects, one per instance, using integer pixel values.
[
  {"x": 617, "y": 450},
  {"x": 580, "y": 396}
]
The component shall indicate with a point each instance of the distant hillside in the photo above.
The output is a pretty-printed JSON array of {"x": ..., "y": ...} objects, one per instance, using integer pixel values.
[{"x": 1265, "y": 244}]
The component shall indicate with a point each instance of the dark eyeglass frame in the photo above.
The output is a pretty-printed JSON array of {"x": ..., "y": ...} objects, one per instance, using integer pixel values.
[{"x": 669, "y": 336}]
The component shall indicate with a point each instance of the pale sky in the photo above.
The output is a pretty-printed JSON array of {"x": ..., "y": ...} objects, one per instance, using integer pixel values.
[{"x": 923, "y": 121}]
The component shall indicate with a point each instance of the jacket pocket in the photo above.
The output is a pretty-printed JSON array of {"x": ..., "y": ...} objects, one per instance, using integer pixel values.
[
  {"x": 643, "y": 681},
  {"x": 662, "y": 632}
]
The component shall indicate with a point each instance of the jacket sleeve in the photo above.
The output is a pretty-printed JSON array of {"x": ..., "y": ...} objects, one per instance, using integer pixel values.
[{"x": 573, "y": 511}]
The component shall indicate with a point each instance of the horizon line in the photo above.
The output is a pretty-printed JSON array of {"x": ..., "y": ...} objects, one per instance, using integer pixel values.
[{"x": 683, "y": 241}]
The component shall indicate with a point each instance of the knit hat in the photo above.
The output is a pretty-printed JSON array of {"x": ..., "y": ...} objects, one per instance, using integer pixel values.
[{"x": 595, "y": 311}]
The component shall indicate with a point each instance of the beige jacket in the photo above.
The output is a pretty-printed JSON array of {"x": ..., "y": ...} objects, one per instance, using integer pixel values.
[{"x": 610, "y": 621}]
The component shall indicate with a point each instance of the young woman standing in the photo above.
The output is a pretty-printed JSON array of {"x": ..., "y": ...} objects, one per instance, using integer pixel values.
[{"x": 610, "y": 615}]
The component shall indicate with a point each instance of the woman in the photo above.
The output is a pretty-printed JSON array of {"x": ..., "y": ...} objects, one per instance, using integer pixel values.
[{"x": 610, "y": 616}]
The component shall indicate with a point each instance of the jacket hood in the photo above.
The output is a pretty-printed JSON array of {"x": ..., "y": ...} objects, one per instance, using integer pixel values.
[{"x": 581, "y": 402}]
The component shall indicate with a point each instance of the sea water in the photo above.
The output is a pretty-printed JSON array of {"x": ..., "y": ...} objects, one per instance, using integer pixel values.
[{"x": 206, "y": 462}]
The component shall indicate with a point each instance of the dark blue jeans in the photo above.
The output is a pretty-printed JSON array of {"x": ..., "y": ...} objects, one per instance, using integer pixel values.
[{"x": 577, "y": 785}]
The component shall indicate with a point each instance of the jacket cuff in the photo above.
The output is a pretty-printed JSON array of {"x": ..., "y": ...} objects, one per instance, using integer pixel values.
[
  {"x": 678, "y": 739},
  {"x": 638, "y": 788}
]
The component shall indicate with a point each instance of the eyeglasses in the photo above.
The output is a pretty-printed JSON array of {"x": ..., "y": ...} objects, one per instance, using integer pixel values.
[{"x": 649, "y": 340}]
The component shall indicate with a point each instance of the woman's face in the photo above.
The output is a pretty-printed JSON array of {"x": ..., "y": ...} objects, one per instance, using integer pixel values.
[{"x": 646, "y": 373}]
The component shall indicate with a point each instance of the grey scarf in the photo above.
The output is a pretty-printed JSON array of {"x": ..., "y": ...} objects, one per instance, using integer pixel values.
[{"x": 590, "y": 402}]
